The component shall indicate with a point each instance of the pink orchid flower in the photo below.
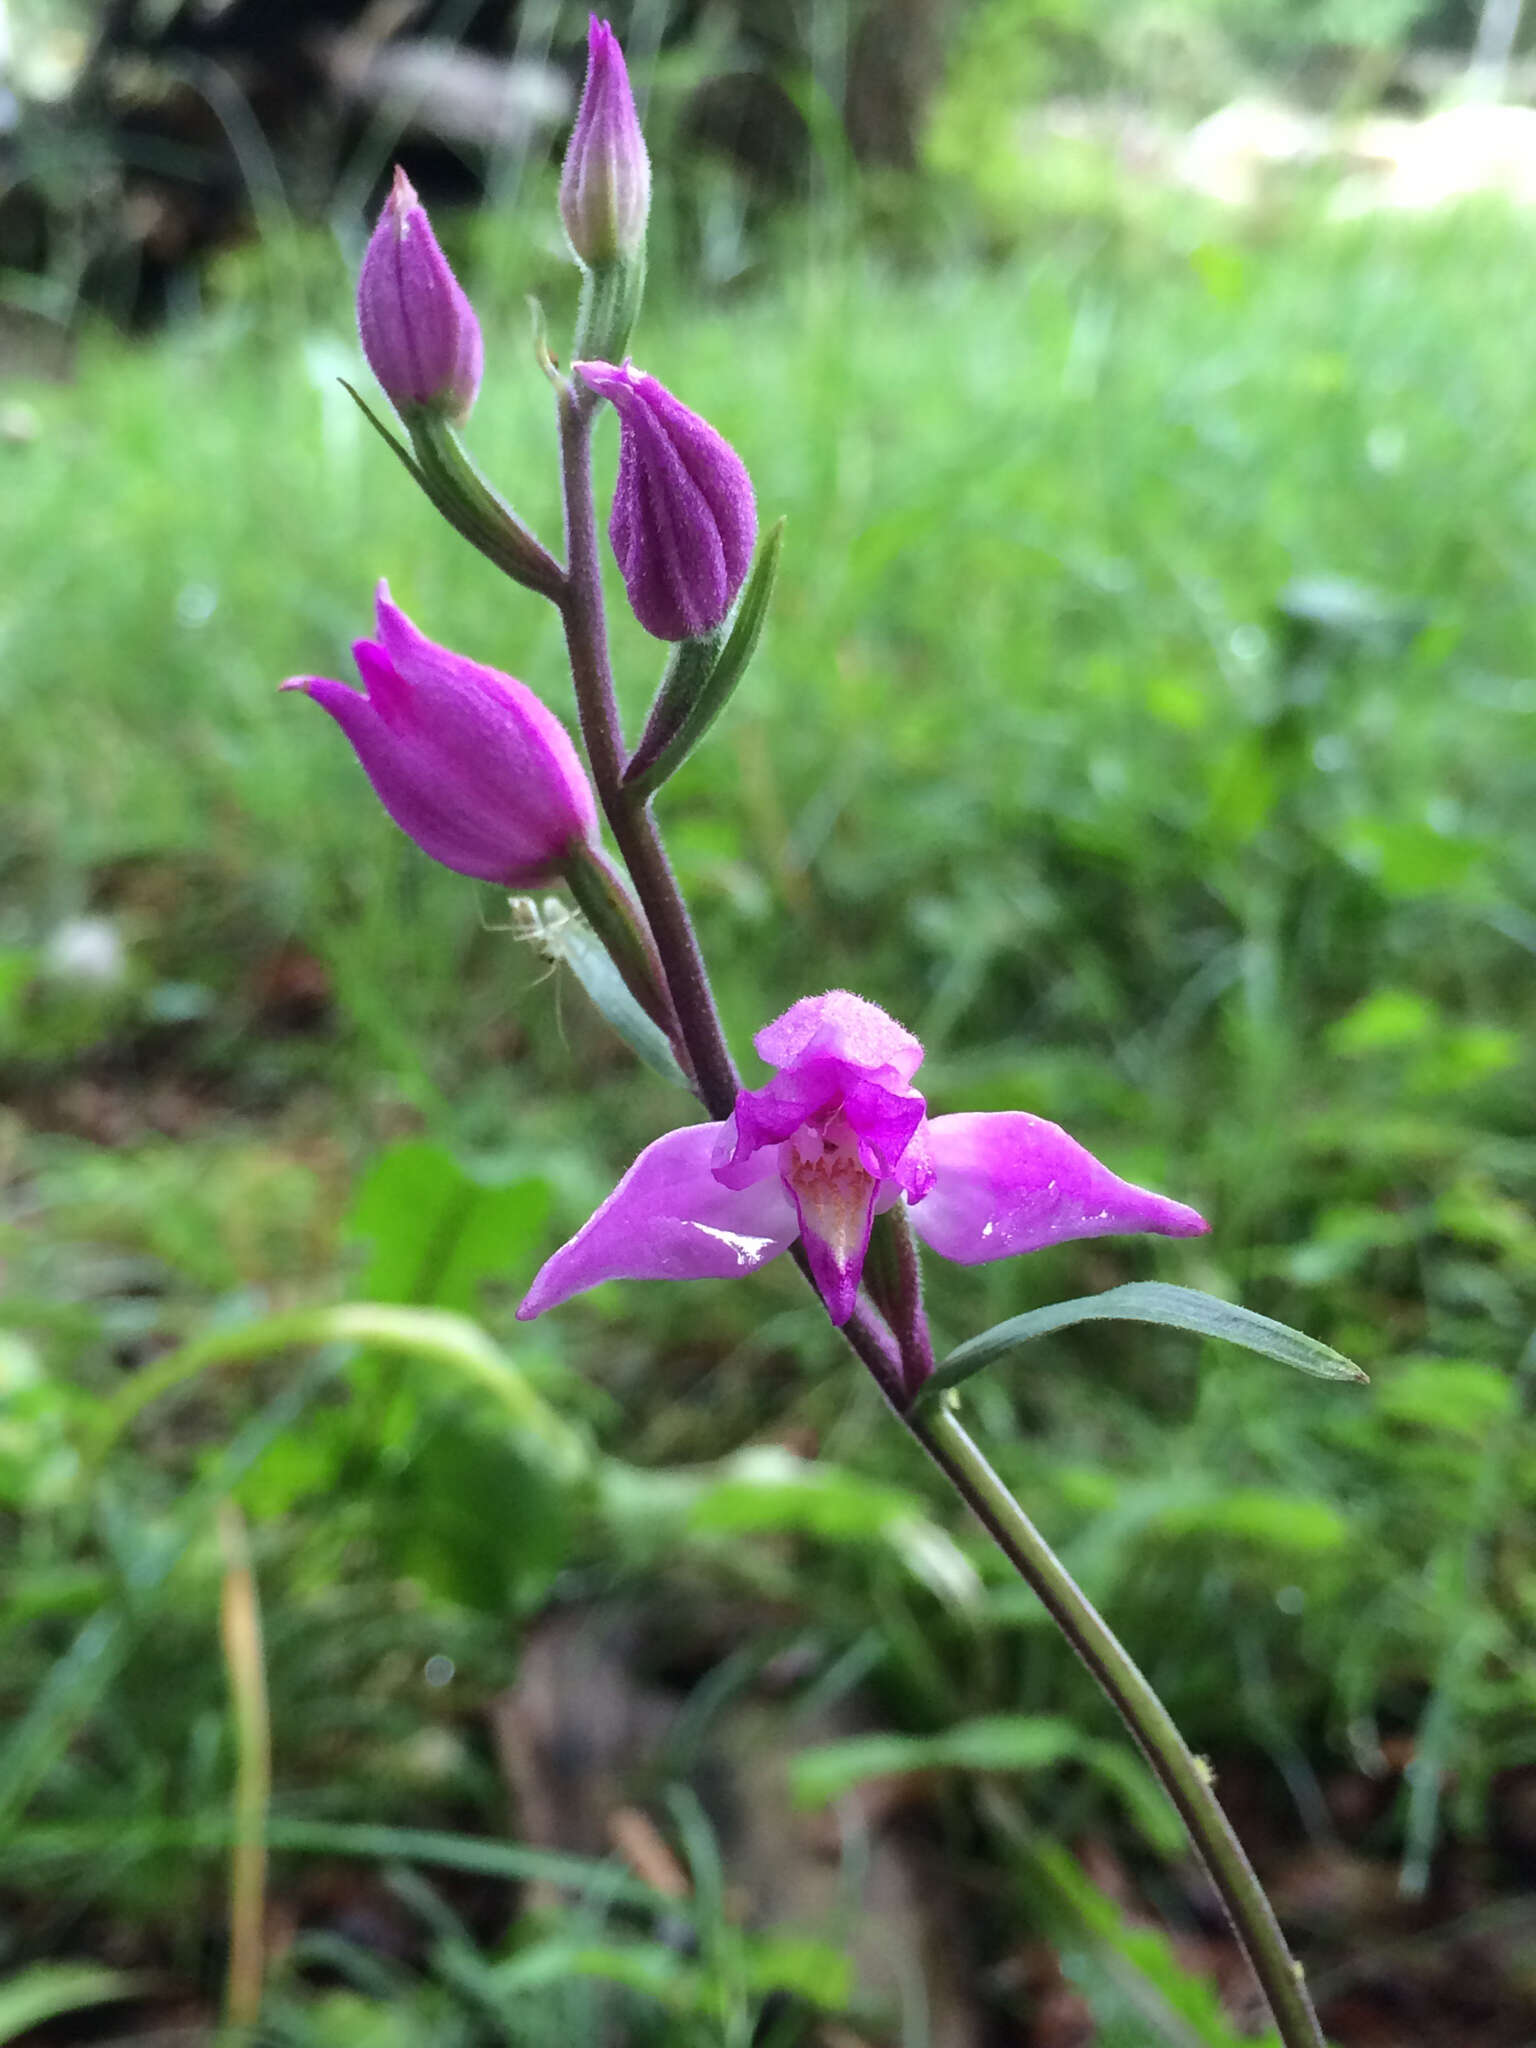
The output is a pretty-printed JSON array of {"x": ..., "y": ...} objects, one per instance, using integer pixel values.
[{"x": 837, "y": 1136}]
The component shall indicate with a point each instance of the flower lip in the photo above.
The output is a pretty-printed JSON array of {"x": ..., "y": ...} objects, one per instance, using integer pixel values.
[{"x": 467, "y": 761}]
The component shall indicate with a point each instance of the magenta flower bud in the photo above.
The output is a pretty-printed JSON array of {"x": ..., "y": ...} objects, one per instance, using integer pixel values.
[
  {"x": 605, "y": 185},
  {"x": 419, "y": 331},
  {"x": 684, "y": 519},
  {"x": 838, "y": 1135},
  {"x": 466, "y": 761}
]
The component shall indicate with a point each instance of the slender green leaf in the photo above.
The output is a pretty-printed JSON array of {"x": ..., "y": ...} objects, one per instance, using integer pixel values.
[
  {"x": 446, "y": 1339},
  {"x": 1149, "y": 1301},
  {"x": 992, "y": 1742},
  {"x": 46, "y": 1990},
  {"x": 583, "y": 952},
  {"x": 83, "y": 1675},
  {"x": 676, "y": 727},
  {"x": 995, "y": 1742},
  {"x": 1169, "y": 2002},
  {"x": 50, "y": 1843}
]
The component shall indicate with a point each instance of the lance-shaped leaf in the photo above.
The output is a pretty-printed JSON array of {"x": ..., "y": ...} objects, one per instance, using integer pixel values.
[
  {"x": 1149, "y": 1301},
  {"x": 442, "y": 469},
  {"x": 569, "y": 941},
  {"x": 701, "y": 676}
]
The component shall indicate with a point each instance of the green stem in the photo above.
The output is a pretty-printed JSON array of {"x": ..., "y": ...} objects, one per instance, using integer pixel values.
[{"x": 1183, "y": 1777}]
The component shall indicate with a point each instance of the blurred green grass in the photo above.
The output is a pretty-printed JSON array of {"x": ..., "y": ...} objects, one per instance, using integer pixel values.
[{"x": 1147, "y": 718}]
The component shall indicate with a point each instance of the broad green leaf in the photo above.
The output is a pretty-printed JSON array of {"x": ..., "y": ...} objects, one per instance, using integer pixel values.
[
  {"x": 437, "y": 1232},
  {"x": 776, "y": 1961},
  {"x": 473, "y": 1518},
  {"x": 766, "y": 1489},
  {"x": 1149, "y": 1301},
  {"x": 1272, "y": 1521},
  {"x": 46, "y": 1990}
]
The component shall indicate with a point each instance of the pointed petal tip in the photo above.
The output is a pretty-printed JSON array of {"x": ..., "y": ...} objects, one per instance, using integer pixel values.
[{"x": 1182, "y": 1221}]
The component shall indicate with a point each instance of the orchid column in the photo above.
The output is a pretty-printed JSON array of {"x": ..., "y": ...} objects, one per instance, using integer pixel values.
[{"x": 835, "y": 1157}]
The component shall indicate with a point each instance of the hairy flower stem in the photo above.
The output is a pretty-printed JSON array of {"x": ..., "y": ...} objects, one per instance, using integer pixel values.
[
  {"x": 1183, "y": 1777},
  {"x": 634, "y": 828},
  {"x": 586, "y": 640}
]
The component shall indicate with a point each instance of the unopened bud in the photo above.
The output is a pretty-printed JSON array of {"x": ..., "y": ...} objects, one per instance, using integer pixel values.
[
  {"x": 605, "y": 186},
  {"x": 419, "y": 331},
  {"x": 684, "y": 519}
]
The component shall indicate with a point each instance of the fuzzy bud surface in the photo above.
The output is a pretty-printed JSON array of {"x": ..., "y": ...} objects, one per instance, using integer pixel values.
[
  {"x": 605, "y": 182},
  {"x": 467, "y": 761},
  {"x": 684, "y": 520},
  {"x": 418, "y": 329}
]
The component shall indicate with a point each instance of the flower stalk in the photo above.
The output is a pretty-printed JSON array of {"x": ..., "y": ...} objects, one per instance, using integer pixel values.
[
  {"x": 1185, "y": 1779},
  {"x": 629, "y": 818}
]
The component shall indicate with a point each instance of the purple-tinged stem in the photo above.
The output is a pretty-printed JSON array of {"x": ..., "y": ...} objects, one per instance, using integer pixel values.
[
  {"x": 586, "y": 639},
  {"x": 634, "y": 828}
]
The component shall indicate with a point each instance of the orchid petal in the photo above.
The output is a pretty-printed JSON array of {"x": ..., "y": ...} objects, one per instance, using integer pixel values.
[
  {"x": 1006, "y": 1182},
  {"x": 669, "y": 1218},
  {"x": 840, "y": 1026}
]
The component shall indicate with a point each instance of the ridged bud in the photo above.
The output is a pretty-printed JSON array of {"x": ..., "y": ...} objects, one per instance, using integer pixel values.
[
  {"x": 467, "y": 761},
  {"x": 684, "y": 519},
  {"x": 419, "y": 331},
  {"x": 605, "y": 185}
]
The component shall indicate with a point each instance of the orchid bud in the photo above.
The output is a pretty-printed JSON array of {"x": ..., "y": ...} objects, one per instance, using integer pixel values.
[
  {"x": 466, "y": 761},
  {"x": 684, "y": 519},
  {"x": 419, "y": 331},
  {"x": 605, "y": 185}
]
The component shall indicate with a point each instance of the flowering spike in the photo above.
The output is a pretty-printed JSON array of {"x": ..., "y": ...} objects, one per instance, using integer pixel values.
[
  {"x": 418, "y": 330},
  {"x": 834, "y": 1139},
  {"x": 466, "y": 761},
  {"x": 605, "y": 184},
  {"x": 684, "y": 519}
]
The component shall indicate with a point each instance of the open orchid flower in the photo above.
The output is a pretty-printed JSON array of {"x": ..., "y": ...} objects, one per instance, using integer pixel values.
[{"x": 836, "y": 1136}]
